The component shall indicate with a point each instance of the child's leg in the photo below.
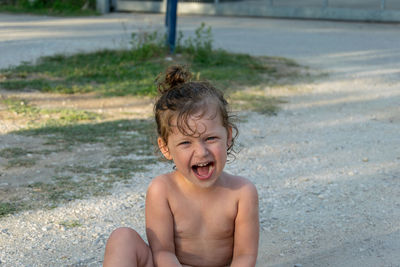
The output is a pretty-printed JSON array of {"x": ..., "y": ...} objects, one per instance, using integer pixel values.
[{"x": 125, "y": 247}]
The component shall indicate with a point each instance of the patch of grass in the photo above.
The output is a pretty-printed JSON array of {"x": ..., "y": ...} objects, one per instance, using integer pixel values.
[
  {"x": 287, "y": 61},
  {"x": 118, "y": 73},
  {"x": 111, "y": 73},
  {"x": 236, "y": 71},
  {"x": 12, "y": 152},
  {"x": 79, "y": 169},
  {"x": 255, "y": 101},
  {"x": 19, "y": 106},
  {"x": 70, "y": 224},
  {"x": 18, "y": 157},
  {"x": 7, "y": 208},
  {"x": 95, "y": 182},
  {"x": 21, "y": 162},
  {"x": 51, "y": 7},
  {"x": 113, "y": 134},
  {"x": 123, "y": 168},
  {"x": 43, "y": 117},
  {"x": 125, "y": 137},
  {"x": 147, "y": 45},
  {"x": 63, "y": 189},
  {"x": 133, "y": 71}
]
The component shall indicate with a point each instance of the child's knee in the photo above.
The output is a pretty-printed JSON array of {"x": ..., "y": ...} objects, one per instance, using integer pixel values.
[
  {"x": 125, "y": 235},
  {"x": 130, "y": 244},
  {"x": 123, "y": 240},
  {"x": 128, "y": 238}
]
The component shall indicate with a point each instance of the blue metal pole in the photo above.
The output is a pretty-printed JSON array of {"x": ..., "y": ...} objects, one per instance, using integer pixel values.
[
  {"x": 167, "y": 13},
  {"x": 383, "y": 4},
  {"x": 171, "y": 23}
]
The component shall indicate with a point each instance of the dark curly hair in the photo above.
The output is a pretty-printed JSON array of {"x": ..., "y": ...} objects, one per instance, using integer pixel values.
[{"x": 181, "y": 97}]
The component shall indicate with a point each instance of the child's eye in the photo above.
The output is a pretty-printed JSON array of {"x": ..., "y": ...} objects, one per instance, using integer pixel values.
[
  {"x": 211, "y": 138},
  {"x": 184, "y": 143}
]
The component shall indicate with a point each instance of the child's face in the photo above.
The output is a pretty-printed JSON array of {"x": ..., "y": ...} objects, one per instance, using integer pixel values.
[{"x": 200, "y": 157}]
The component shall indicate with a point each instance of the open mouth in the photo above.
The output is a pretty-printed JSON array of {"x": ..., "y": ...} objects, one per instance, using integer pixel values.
[{"x": 203, "y": 170}]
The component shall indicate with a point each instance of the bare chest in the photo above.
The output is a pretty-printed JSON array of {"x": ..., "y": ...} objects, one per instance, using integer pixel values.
[{"x": 207, "y": 219}]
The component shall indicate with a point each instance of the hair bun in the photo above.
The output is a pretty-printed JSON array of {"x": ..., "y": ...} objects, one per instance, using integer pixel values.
[{"x": 174, "y": 76}]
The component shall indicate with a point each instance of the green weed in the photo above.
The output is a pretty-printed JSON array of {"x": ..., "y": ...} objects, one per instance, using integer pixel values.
[
  {"x": 50, "y": 7},
  {"x": 147, "y": 45},
  {"x": 46, "y": 117},
  {"x": 200, "y": 47},
  {"x": 7, "y": 208},
  {"x": 19, "y": 106},
  {"x": 255, "y": 101},
  {"x": 18, "y": 157},
  {"x": 21, "y": 162},
  {"x": 63, "y": 189},
  {"x": 79, "y": 169},
  {"x": 124, "y": 167},
  {"x": 13, "y": 152},
  {"x": 70, "y": 224},
  {"x": 111, "y": 133},
  {"x": 93, "y": 181}
]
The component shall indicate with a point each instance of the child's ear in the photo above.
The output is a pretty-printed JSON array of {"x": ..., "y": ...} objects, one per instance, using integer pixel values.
[
  {"x": 164, "y": 148},
  {"x": 229, "y": 139}
]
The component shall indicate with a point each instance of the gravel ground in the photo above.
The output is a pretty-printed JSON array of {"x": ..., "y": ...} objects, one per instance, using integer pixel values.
[{"x": 327, "y": 167}]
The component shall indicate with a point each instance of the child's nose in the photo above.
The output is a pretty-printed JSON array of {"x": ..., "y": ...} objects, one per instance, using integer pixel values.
[{"x": 201, "y": 149}]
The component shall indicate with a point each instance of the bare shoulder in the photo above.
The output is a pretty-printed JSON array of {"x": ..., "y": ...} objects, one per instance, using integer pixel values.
[
  {"x": 242, "y": 186},
  {"x": 239, "y": 182},
  {"x": 160, "y": 185}
]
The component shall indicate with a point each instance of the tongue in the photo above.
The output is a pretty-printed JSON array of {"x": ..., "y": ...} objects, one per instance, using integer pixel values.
[{"x": 203, "y": 171}]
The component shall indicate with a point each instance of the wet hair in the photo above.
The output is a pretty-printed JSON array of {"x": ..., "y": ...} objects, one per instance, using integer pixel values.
[{"x": 180, "y": 98}]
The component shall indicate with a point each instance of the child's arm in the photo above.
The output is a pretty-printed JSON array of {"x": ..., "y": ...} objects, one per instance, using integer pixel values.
[
  {"x": 246, "y": 228},
  {"x": 159, "y": 225}
]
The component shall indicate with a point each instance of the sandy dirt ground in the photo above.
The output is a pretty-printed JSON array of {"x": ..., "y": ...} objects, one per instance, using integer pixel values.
[{"x": 327, "y": 167}]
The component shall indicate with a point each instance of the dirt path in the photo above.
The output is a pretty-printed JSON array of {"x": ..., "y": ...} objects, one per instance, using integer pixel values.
[
  {"x": 327, "y": 167},
  {"x": 331, "y": 167}
]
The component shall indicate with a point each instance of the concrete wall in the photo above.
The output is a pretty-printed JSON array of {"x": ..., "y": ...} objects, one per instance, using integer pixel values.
[
  {"x": 357, "y": 10},
  {"x": 103, "y": 6}
]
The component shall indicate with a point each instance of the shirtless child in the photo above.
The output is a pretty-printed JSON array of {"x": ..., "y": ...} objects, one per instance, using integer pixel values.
[{"x": 196, "y": 215}]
